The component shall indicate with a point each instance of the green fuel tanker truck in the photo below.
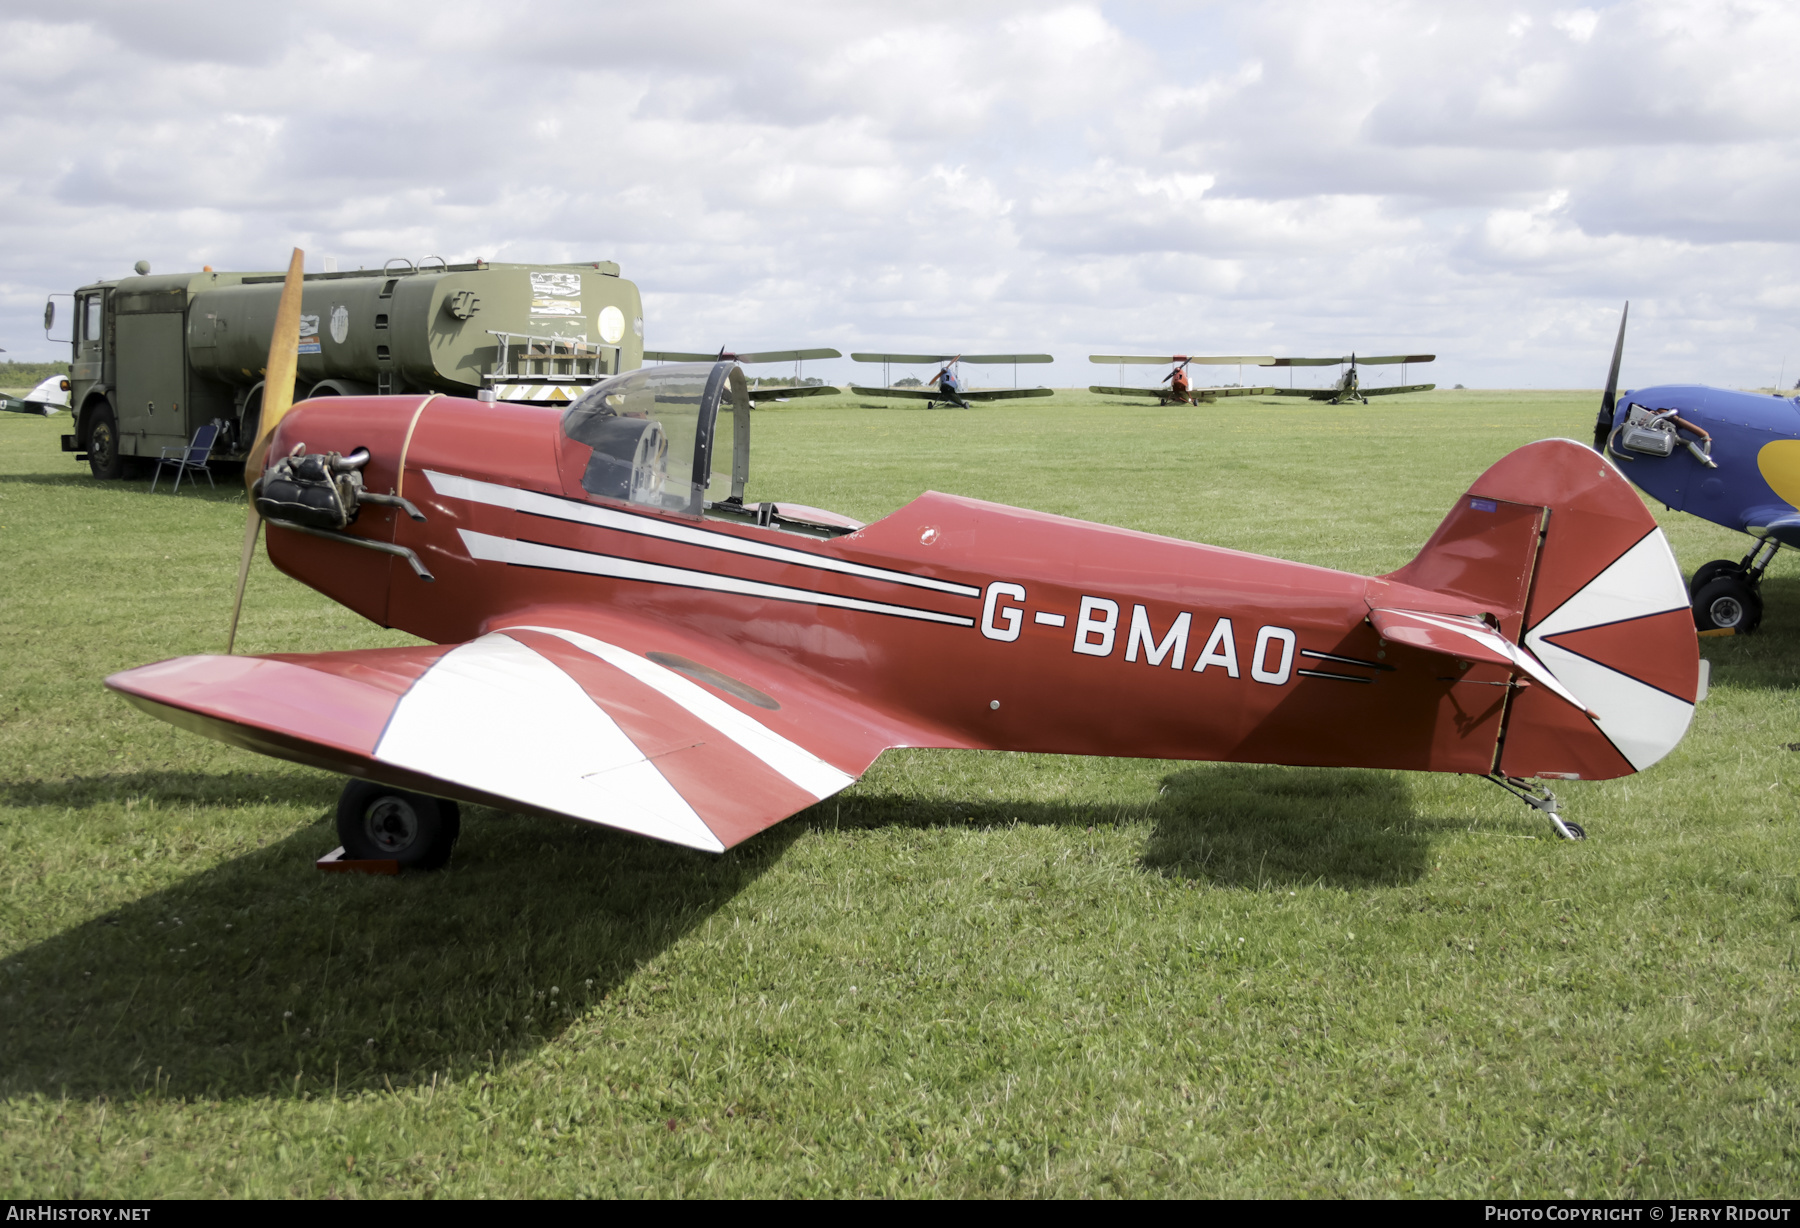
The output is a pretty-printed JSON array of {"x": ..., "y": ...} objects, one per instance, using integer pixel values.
[{"x": 156, "y": 358}]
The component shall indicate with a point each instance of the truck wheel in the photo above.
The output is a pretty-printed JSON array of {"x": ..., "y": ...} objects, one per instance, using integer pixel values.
[
  {"x": 1728, "y": 604},
  {"x": 1708, "y": 572},
  {"x": 382, "y": 823},
  {"x": 103, "y": 444}
]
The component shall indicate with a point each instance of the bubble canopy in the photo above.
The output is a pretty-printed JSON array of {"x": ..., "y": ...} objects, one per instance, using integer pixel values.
[{"x": 650, "y": 435}]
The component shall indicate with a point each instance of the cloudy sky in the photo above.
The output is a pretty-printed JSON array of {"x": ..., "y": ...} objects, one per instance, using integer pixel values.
[{"x": 1486, "y": 181}]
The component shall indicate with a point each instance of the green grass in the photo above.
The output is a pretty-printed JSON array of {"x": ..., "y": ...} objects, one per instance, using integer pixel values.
[{"x": 971, "y": 974}]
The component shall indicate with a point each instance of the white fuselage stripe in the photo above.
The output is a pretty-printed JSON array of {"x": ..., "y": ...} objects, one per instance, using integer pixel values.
[
  {"x": 792, "y": 760},
  {"x": 556, "y": 558},
  {"x": 534, "y": 504}
]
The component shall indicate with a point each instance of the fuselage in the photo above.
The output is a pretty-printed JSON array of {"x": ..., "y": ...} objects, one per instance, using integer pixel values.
[
  {"x": 1755, "y": 444},
  {"x": 950, "y": 622}
]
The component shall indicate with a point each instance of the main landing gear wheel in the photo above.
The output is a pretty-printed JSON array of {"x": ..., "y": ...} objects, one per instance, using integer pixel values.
[
  {"x": 1709, "y": 572},
  {"x": 1728, "y": 603},
  {"x": 382, "y": 823}
]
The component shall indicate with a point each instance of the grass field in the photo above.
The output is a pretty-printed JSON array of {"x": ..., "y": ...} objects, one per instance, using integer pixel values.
[{"x": 971, "y": 974}]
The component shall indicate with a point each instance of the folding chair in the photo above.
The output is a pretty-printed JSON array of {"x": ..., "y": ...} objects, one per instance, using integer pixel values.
[{"x": 194, "y": 456}]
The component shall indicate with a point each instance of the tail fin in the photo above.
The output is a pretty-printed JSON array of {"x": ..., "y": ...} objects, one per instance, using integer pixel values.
[{"x": 1558, "y": 547}]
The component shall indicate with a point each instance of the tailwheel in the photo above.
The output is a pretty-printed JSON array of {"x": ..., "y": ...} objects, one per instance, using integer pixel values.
[
  {"x": 381, "y": 823},
  {"x": 1572, "y": 831}
]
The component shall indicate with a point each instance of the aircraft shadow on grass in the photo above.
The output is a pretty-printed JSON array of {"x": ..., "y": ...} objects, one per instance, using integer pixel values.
[
  {"x": 388, "y": 980},
  {"x": 1232, "y": 825}
]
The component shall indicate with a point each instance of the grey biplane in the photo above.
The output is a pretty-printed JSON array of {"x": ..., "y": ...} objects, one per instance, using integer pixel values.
[
  {"x": 758, "y": 390},
  {"x": 1175, "y": 387},
  {"x": 947, "y": 387},
  {"x": 1349, "y": 387}
]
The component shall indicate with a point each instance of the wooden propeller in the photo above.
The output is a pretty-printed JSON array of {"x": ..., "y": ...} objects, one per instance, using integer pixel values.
[{"x": 277, "y": 399}]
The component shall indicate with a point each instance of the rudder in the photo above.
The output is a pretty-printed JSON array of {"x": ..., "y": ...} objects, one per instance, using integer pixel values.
[{"x": 1561, "y": 550}]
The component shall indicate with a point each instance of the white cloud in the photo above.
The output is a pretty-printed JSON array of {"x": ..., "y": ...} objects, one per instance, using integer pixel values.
[{"x": 1486, "y": 180}]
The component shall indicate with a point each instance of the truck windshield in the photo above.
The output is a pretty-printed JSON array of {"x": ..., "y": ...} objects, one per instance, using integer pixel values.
[{"x": 650, "y": 434}]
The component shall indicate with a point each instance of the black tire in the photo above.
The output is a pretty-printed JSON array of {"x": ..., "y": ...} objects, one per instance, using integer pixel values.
[
  {"x": 104, "y": 459},
  {"x": 1708, "y": 572},
  {"x": 382, "y": 823},
  {"x": 1728, "y": 604},
  {"x": 1576, "y": 831}
]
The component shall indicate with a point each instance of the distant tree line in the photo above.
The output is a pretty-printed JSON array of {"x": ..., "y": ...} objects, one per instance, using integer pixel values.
[
  {"x": 778, "y": 381},
  {"x": 19, "y": 374}
]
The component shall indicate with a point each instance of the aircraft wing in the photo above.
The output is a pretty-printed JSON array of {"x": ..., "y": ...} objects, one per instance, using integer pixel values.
[
  {"x": 1110, "y": 391},
  {"x": 930, "y": 393},
  {"x": 798, "y": 390},
  {"x": 1779, "y": 522},
  {"x": 554, "y": 719},
  {"x": 1004, "y": 394},
  {"x": 1326, "y": 394},
  {"x": 989, "y": 359},
  {"x": 1211, "y": 393},
  {"x": 913, "y": 394}
]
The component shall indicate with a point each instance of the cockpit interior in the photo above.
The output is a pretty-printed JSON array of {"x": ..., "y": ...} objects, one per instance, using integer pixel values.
[{"x": 649, "y": 438}]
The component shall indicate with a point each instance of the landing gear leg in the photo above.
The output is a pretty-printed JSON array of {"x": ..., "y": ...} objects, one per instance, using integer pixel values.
[
  {"x": 1538, "y": 797},
  {"x": 1758, "y": 560}
]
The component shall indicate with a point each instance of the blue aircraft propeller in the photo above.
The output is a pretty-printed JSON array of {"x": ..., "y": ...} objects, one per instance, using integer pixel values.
[{"x": 1726, "y": 456}]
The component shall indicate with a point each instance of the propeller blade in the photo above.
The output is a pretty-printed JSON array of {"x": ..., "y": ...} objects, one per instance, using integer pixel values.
[
  {"x": 1609, "y": 398},
  {"x": 278, "y": 398}
]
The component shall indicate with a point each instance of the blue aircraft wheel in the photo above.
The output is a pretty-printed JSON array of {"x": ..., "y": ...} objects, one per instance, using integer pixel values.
[
  {"x": 382, "y": 823},
  {"x": 1709, "y": 572},
  {"x": 1728, "y": 604}
]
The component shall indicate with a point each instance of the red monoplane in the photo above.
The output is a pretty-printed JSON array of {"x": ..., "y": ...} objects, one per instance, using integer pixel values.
[{"x": 619, "y": 637}]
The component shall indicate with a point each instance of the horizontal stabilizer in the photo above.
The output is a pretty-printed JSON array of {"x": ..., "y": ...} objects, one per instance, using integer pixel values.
[{"x": 1467, "y": 639}]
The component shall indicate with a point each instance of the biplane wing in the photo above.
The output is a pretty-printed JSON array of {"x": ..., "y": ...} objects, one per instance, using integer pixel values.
[
  {"x": 789, "y": 392},
  {"x": 727, "y": 355},
  {"x": 554, "y": 717},
  {"x": 993, "y": 360},
  {"x": 1207, "y": 360},
  {"x": 1380, "y": 360},
  {"x": 1206, "y": 394},
  {"x": 1328, "y": 394},
  {"x": 932, "y": 394}
]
